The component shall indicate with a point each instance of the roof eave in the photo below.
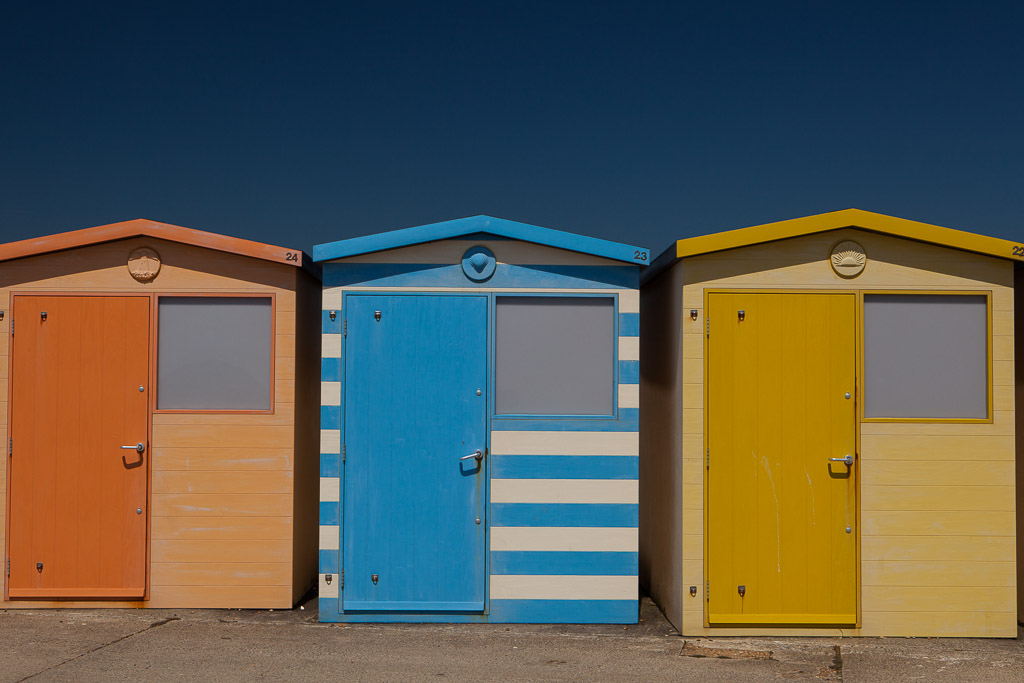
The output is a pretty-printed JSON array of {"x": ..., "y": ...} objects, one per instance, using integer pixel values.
[
  {"x": 849, "y": 218},
  {"x": 140, "y": 227}
]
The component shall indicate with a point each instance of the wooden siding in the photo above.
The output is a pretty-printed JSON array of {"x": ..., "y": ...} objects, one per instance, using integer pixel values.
[
  {"x": 1016, "y": 326},
  {"x": 307, "y": 432},
  {"x": 222, "y": 492},
  {"x": 662, "y": 493},
  {"x": 543, "y": 556},
  {"x": 961, "y": 496}
]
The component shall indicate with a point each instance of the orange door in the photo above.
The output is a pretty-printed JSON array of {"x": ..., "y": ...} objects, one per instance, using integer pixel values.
[{"x": 78, "y": 499}]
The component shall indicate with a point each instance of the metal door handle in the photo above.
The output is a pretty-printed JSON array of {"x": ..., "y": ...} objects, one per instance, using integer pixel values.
[
  {"x": 848, "y": 460},
  {"x": 477, "y": 454},
  {"x": 140, "y": 447}
]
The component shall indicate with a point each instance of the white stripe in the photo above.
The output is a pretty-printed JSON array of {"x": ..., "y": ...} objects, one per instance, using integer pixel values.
[
  {"x": 565, "y": 443},
  {"x": 329, "y": 590},
  {"x": 564, "y": 491},
  {"x": 563, "y": 587},
  {"x": 330, "y": 394},
  {"x": 330, "y": 489},
  {"x": 629, "y": 301},
  {"x": 332, "y": 346},
  {"x": 329, "y": 535},
  {"x": 565, "y": 538},
  {"x": 330, "y": 441},
  {"x": 631, "y": 296},
  {"x": 629, "y": 395},
  {"x": 332, "y": 298},
  {"x": 629, "y": 348}
]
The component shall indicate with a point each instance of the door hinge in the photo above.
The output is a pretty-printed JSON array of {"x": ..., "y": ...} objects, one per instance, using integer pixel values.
[
  {"x": 707, "y": 328},
  {"x": 343, "y": 456},
  {"x": 344, "y": 326},
  {"x": 8, "y": 566},
  {"x": 12, "y": 325},
  {"x": 708, "y": 456},
  {"x": 707, "y": 590},
  {"x": 10, "y": 446},
  {"x": 341, "y": 579}
]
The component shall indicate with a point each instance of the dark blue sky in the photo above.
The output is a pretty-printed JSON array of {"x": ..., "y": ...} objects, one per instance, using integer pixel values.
[{"x": 640, "y": 122}]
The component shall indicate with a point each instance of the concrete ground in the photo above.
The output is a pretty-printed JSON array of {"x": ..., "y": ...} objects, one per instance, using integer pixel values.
[{"x": 232, "y": 645}]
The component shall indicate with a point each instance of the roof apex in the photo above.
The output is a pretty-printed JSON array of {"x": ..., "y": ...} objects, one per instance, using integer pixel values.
[{"x": 474, "y": 224}]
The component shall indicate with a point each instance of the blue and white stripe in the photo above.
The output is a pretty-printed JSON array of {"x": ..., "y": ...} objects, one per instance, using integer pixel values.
[
  {"x": 565, "y": 508},
  {"x": 330, "y": 449}
]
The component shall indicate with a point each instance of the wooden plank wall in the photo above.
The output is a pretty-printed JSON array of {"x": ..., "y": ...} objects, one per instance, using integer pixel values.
[
  {"x": 661, "y": 457},
  {"x": 306, "y": 510},
  {"x": 1018, "y": 330},
  {"x": 937, "y": 518},
  {"x": 222, "y": 487}
]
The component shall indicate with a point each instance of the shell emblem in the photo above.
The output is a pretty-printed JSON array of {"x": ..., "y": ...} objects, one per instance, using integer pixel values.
[
  {"x": 478, "y": 263},
  {"x": 848, "y": 259}
]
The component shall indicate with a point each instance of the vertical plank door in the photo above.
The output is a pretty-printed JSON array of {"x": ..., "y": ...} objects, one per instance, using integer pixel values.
[
  {"x": 78, "y": 500},
  {"x": 415, "y": 405},
  {"x": 781, "y": 516}
]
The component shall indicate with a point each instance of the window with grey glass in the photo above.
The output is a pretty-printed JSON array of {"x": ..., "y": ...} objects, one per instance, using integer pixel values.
[
  {"x": 925, "y": 356},
  {"x": 214, "y": 353},
  {"x": 554, "y": 355}
]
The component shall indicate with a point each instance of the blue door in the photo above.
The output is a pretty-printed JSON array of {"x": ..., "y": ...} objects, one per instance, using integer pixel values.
[{"x": 415, "y": 408}]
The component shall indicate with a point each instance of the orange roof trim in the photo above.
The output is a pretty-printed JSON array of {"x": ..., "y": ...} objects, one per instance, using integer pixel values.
[
  {"x": 851, "y": 218},
  {"x": 165, "y": 231}
]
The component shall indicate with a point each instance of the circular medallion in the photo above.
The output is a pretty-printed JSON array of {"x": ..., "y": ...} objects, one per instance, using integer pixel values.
[
  {"x": 144, "y": 264},
  {"x": 848, "y": 259},
  {"x": 478, "y": 264}
]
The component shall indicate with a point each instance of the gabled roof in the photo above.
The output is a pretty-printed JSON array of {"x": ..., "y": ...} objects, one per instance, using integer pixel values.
[
  {"x": 850, "y": 218},
  {"x": 481, "y": 224},
  {"x": 165, "y": 231}
]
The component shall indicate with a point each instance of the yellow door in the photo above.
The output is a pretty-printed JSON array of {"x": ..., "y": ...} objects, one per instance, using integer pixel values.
[{"x": 781, "y": 509}]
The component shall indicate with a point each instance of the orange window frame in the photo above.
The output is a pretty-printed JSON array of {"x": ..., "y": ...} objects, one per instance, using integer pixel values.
[{"x": 155, "y": 409}]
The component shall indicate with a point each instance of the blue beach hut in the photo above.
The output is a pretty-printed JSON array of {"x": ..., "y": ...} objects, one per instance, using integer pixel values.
[{"x": 479, "y": 419}]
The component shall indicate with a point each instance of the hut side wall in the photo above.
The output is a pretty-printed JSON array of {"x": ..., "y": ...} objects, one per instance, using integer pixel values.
[
  {"x": 221, "y": 485},
  {"x": 307, "y": 432},
  {"x": 1018, "y": 328},
  {"x": 661, "y": 441},
  {"x": 937, "y": 508},
  {"x": 534, "y": 597}
]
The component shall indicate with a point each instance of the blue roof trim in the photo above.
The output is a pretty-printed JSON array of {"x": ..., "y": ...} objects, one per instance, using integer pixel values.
[{"x": 477, "y": 224}]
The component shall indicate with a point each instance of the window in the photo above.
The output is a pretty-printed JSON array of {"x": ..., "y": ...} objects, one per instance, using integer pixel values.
[
  {"x": 554, "y": 355},
  {"x": 926, "y": 356},
  {"x": 214, "y": 353}
]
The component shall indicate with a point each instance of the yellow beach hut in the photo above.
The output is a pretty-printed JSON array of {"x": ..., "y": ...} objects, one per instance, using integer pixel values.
[{"x": 827, "y": 430}]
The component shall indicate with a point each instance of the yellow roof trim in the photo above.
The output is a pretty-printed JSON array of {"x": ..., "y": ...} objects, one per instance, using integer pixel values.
[{"x": 851, "y": 218}]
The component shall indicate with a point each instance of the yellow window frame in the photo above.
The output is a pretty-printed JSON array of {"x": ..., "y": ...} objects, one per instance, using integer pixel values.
[{"x": 990, "y": 416}]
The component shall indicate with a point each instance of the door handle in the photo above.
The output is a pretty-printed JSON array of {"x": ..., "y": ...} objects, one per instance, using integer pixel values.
[
  {"x": 139, "y": 447},
  {"x": 477, "y": 454},
  {"x": 848, "y": 460}
]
